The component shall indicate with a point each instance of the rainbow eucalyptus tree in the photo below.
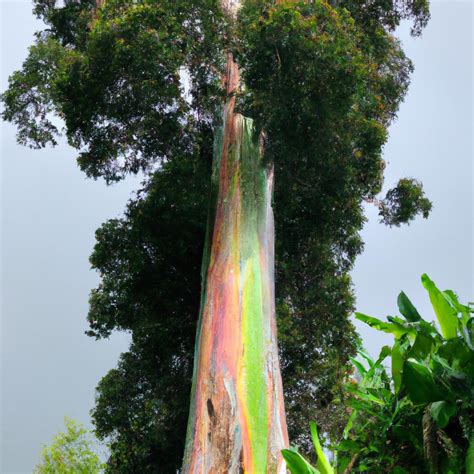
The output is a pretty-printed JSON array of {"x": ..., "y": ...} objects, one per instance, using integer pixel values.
[
  {"x": 237, "y": 417},
  {"x": 210, "y": 100}
]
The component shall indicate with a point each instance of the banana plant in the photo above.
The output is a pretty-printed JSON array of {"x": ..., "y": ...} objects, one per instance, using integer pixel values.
[
  {"x": 433, "y": 371},
  {"x": 417, "y": 416},
  {"x": 432, "y": 366}
]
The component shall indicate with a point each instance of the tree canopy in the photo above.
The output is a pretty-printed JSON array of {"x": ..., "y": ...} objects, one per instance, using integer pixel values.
[{"x": 137, "y": 86}]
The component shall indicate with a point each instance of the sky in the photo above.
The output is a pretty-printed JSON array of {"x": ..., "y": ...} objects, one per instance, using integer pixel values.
[{"x": 50, "y": 211}]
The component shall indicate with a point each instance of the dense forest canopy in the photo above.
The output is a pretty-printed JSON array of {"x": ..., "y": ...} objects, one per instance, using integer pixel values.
[{"x": 137, "y": 86}]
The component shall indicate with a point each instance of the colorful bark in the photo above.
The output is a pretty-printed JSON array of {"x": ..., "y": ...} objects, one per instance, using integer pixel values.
[
  {"x": 237, "y": 421},
  {"x": 237, "y": 417}
]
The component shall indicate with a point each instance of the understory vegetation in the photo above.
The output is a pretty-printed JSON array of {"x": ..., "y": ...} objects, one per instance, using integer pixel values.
[{"x": 417, "y": 416}]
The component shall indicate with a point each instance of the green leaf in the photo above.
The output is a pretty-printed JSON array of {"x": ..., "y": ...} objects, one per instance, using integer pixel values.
[
  {"x": 348, "y": 426},
  {"x": 390, "y": 328},
  {"x": 363, "y": 395},
  {"x": 296, "y": 463},
  {"x": 361, "y": 352},
  {"x": 364, "y": 406},
  {"x": 420, "y": 383},
  {"x": 455, "y": 382},
  {"x": 446, "y": 314},
  {"x": 467, "y": 323},
  {"x": 70, "y": 451},
  {"x": 407, "y": 309},
  {"x": 442, "y": 411},
  {"x": 362, "y": 370},
  {"x": 454, "y": 301},
  {"x": 323, "y": 463},
  {"x": 422, "y": 346},
  {"x": 397, "y": 365},
  {"x": 348, "y": 445},
  {"x": 384, "y": 353},
  {"x": 458, "y": 355}
]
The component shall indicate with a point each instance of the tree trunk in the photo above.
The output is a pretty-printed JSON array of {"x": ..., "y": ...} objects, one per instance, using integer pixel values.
[{"x": 237, "y": 419}]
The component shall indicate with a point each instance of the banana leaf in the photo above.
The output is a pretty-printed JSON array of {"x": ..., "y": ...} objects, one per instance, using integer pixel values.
[
  {"x": 446, "y": 314},
  {"x": 296, "y": 463},
  {"x": 407, "y": 309},
  {"x": 323, "y": 464},
  {"x": 420, "y": 383},
  {"x": 442, "y": 412},
  {"x": 391, "y": 328}
]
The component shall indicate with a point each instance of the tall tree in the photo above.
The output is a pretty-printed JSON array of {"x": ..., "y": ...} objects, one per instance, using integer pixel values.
[
  {"x": 237, "y": 418},
  {"x": 323, "y": 79}
]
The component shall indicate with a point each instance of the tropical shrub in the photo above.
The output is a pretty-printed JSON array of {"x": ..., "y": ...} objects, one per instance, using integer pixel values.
[{"x": 418, "y": 416}]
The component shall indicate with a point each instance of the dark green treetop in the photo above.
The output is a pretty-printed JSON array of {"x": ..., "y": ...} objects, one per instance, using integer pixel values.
[
  {"x": 114, "y": 75},
  {"x": 402, "y": 202}
]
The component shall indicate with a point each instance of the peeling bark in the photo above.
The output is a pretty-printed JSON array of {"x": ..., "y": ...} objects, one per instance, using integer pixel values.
[{"x": 237, "y": 421}]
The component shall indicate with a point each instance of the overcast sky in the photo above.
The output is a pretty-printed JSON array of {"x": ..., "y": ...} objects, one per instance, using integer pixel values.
[{"x": 49, "y": 212}]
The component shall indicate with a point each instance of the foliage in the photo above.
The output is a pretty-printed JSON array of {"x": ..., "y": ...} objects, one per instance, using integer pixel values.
[
  {"x": 323, "y": 79},
  {"x": 150, "y": 266},
  {"x": 403, "y": 202},
  {"x": 419, "y": 418},
  {"x": 422, "y": 418},
  {"x": 71, "y": 452},
  {"x": 384, "y": 432},
  {"x": 113, "y": 75},
  {"x": 373, "y": 14}
]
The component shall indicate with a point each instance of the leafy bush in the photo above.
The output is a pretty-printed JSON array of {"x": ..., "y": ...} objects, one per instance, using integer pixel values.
[
  {"x": 419, "y": 417},
  {"x": 71, "y": 452}
]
